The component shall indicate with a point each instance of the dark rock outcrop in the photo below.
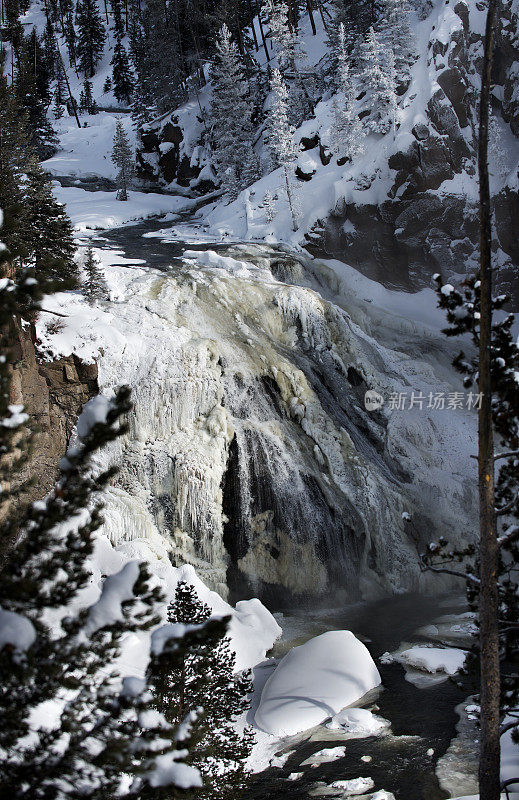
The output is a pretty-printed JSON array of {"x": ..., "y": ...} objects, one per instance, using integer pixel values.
[{"x": 53, "y": 393}]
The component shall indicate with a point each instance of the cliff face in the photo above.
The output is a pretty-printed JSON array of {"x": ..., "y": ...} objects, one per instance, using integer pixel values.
[
  {"x": 53, "y": 393},
  {"x": 428, "y": 220}
]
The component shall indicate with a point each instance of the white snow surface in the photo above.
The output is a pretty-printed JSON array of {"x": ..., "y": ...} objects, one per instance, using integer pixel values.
[
  {"x": 100, "y": 210},
  {"x": 358, "y": 722},
  {"x": 433, "y": 659},
  {"x": 15, "y": 630},
  {"x": 315, "y": 681}
]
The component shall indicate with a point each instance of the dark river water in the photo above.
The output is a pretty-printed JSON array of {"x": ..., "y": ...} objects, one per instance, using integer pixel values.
[{"x": 421, "y": 718}]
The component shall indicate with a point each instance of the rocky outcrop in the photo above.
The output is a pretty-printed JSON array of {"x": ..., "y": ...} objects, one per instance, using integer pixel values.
[
  {"x": 428, "y": 221},
  {"x": 53, "y": 393},
  {"x": 169, "y": 152}
]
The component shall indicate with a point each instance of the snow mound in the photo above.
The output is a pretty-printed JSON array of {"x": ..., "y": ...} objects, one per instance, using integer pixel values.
[
  {"x": 315, "y": 681},
  {"x": 433, "y": 659},
  {"x": 324, "y": 756},
  {"x": 358, "y": 722}
]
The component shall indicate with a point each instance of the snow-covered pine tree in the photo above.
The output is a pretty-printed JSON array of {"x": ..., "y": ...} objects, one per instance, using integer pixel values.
[
  {"x": 280, "y": 134},
  {"x": 347, "y": 135},
  {"x": 356, "y": 16},
  {"x": 91, "y": 36},
  {"x": 231, "y": 112},
  {"x": 122, "y": 157},
  {"x": 48, "y": 233},
  {"x": 122, "y": 78},
  {"x": 379, "y": 84},
  {"x": 205, "y": 678},
  {"x": 397, "y": 35},
  {"x": 87, "y": 103},
  {"x": 290, "y": 56},
  {"x": 391, "y": 88},
  {"x": 107, "y": 85},
  {"x": 93, "y": 284},
  {"x": 268, "y": 205}
]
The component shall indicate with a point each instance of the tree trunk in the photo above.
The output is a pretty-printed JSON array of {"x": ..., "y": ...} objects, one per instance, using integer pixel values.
[
  {"x": 290, "y": 199},
  {"x": 311, "y": 16},
  {"x": 489, "y": 758},
  {"x": 262, "y": 34}
]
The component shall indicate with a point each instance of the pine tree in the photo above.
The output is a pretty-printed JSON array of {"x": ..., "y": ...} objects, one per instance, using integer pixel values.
[
  {"x": 94, "y": 285},
  {"x": 280, "y": 136},
  {"x": 205, "y": 678},
  {"x": 356, "y": 16},
  {"x": 378, "y": 77},
  {"x": 290, "y": 56},
  {"x": 101, "y": 732},
  {"x": 122, "y": 78},
  {"x": 231, "y": 112},
  {"x": 118, "y": 27},
  {"x": 347, "y": 133},
  {"x": 13, "y": 26},
  {"x": 87, "y": 103},
  {"x": 268, "y": 205},
  {"x": 396, "y": 34},
  {"x": 107, "y": 85},
  {"x": 122, "y": 157},
  {"x": 48, "y": 233},
  {"x": 15, "y": 156},
  {"x": 91, "y": 36},
  {"x": 32, "y": 86}
]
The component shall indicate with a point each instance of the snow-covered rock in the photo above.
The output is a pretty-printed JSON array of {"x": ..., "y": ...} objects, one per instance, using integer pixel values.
[
  {"x": 448, "y": 660},
  {"x": 358, "y": 723},
  {"x": 315, "y": 681}
]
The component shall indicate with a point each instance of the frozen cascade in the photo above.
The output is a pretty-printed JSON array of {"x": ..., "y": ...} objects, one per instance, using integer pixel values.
[{"x": 250, "y": 451}]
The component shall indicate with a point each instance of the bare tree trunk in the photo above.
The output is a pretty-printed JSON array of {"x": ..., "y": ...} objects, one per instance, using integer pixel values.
[
  {"x": 311, "y": 16},
  {"x": 71, "y": 98},
  {"x": 262, "y": 34},
  {"x": 290, "y": 199},
  {"x": 489, "y": 758}
]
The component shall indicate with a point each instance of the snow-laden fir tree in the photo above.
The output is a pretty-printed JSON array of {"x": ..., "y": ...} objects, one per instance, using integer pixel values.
[
  {"x": 378, "y": 80},
  {"x": 206, "y": 679},
  {"x": 269, "y": 206},
  {"x": 91, "y": 36},
  {"x": 280, "y": 137},
  {"x": 347, "y": 134},
  {"x": 392, "y": 104},
  {"x": 48, "y": 233},
  {"x": 397, "y": 35},
  {"x": 356, "y": 16},
  {"x": 231, "y": 111},
  {"x": 93, "y": 284},
  {"x": 122, "y": 78},
  {"x": 101, "y": 736},
  {"x": 122, "y": 157},
  {"x": 87, "y": 103},
  {"x": 290, "y": 56}
]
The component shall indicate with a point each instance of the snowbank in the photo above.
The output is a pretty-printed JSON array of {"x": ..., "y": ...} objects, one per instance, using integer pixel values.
[
  {"x": 314, "y": 682},
  {"x": 94, "y": 211}
]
